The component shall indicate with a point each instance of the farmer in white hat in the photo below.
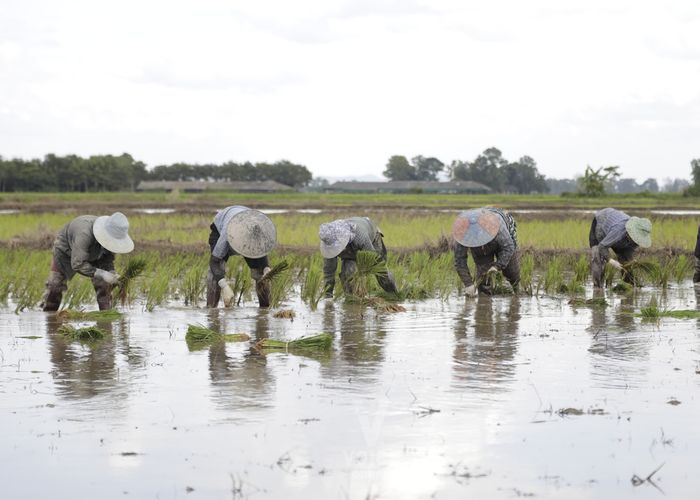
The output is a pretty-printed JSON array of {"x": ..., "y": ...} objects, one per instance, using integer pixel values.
[
  {"x": 696, "y": 275},
  {"x": 615, "y": 229},
  {"x": 86, "y": 246},
  {"x": 343, "y": 238},
  {"x": 238, "y": 230},
  {"x": 490, "y": 235}
]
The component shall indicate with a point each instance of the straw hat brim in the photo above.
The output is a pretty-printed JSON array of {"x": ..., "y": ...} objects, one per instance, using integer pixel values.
[
  {"x": 475, "y": 228},
  {"x": 639, "y": 230},
  {"x": 114, "y": 245},
  {"x": 251, "y": 234}
]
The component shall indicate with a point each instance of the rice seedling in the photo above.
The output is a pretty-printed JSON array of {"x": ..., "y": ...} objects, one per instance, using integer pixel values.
[
  {"x": 381, "y": 304},
  {"x": 157, "y": 290},
  {"x": 193, "y": 285},
  {"x": 198, "y": 334},
  {"x": 369, "y": 264},
  {"x": 85, "y": 334},
  {"x": 681, "y": 267},
  {"x": 527, "y": 265},
  {"x": 72, "y": 314},
  {"x": 323, "y": 341},
  {"x": 133, "y": 268},
  {"x": 312, "y": 288},
  {"x": 582, "y": 269},
  {"x": 276, "y": 270},
  {"x": 280, "y": 285},
  {"x": 623, "y": 288},
  {"x": 285, "y": 314},
  {"x": 553, "y": 278},
  {"x": 593, "y": 302}
]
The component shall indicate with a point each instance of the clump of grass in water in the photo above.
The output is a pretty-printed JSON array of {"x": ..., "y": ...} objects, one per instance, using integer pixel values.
[
  {"x": 193, "y": 285},
  {"x": 108, "y": 315},
  {"x": 134, "y": 267},
  {"x": 312, "y": 288},
  {"x": 324, "y": 341},
  {"x": 201, "y": 334},
  {"x": 594, "y": 302},
  {"x": 86, "y": 334},
  {"x": 622, "y": 288},
  {"x": 285, "y": 314},
  {"x": 553, "y": 278},
  {"x": 527, "y": 265},
  {"x": 681, "y": 268}
]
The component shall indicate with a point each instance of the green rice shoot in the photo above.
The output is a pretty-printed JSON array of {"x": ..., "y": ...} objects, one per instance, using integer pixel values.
[
  {"x": 202, "y": 334},
  {"x": 323, "y": 342},
  {"x": 106, "y": 315}
]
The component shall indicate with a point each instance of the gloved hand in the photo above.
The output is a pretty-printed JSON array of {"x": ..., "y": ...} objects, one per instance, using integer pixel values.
[
  {"x": 470, "y": 291},
  {"x": 492, "y": 269},
  {"x": 615, "y": 264},
  {"x": 106, "y": 276},
  {"x": 264, "y": 273},
  {"x": 226, "y": 292}
]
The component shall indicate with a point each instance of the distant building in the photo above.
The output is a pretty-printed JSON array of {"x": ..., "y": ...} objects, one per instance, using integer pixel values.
[
  {"x": 452, "y": 187},
  {"x": 200, "y": 186}
]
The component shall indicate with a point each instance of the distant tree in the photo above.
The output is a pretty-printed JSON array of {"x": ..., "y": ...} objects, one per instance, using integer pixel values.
[
  {"x": 650, "y": 185},
  {"x": 523, "y": 177},
  {"x": 284, "y": 172},
  {"x": 627, "y": 185},
  {"x": 674, "y": 185},
  {"x": 694, "y": 189},
  {"x": 398, "y": 169},
  {"x": 559, "y": 186},
  {"x": 594, "y": 182},
  {"x": 426, "y": 169}
]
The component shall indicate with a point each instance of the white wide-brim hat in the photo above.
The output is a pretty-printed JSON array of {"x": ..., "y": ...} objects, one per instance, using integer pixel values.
[
  {"x": 251, "y": 234},
  {"x": 335, "y": 236},
  {"x": 112, "y": 232},
  {"x": 639, "y": 230},
  {"x": 475, "y": 228}
]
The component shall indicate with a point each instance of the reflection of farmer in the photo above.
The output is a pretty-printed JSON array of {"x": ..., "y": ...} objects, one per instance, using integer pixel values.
[
  {"x": 242, "y": 231},
  {"x": 86, "y": 246},
  {"x": 696, "y": 275},
  {"x": 489, "y": 234},
  {"x": 344, "y": 238},
  {"x": 615, "y": 229}
]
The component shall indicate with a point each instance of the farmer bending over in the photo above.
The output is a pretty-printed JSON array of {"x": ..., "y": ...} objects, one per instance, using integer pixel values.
[
  {"x": 615, "y": 229},
  {"x": 86, "y": 245},
  {"x": 344, "y": 238},
  {"x": 242, "y": 231},
  {"x": 490, "y": 235},
  {"x": 696, "y": 275}
]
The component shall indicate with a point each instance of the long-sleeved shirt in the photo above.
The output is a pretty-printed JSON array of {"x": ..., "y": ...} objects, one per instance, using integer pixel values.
[
  {"x": 503, "y": 246},
  {"x": 364, "y": 235},
  {"x": 611, "y": 232},
  {"x": 77, "y": 241},
  {"x": 222, "y": 249},
  {"x": 697, "y": 245}
]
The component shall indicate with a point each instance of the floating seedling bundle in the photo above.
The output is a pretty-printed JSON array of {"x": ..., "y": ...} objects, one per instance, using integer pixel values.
[
  {"x": 285, "y": 314},
  {"x": 201, "y": 334},
  {"x": 107, "y": 315},
  {"x": 594, "y": 302},
  {"x": 86, "y": 334},
  {"x": 321, "y": 342}
]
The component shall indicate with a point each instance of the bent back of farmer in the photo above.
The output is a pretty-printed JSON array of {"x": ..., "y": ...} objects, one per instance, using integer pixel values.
[
  {"x": 86, "y": 246},
  {"x": 490, "y": 236},
  {"x": 614, "y": 229},
  {"x": 343, "y": 238},
  {"x": 239, "y": 230}
]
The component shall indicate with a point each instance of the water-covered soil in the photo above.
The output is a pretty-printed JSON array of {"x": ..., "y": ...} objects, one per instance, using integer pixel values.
[{"x": 500, "y": 397}]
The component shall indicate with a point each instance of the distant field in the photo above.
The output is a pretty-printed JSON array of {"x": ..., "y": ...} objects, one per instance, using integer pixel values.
[{"x": 211, "y": 201}]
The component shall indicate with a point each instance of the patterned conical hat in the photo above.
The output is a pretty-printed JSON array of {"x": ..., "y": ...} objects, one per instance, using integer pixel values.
[
  {"x": 639, "y": 230},
  {"x": 475, "y": 228}
]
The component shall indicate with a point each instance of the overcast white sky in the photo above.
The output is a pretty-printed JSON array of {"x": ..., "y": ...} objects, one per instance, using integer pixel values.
[{"x": 340, "y": 86}]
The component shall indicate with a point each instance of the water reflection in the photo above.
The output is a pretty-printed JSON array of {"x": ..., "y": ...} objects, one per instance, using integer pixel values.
[
  {"x": 85, "y": 370},
  {"x": 240, "y": 376},
  {"x": 486, "y": 340}
]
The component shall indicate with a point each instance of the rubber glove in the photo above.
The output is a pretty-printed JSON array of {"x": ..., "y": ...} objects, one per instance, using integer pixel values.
[
  {"x": 492, "y": 269},
  {"x": 470, "y": 291},
  {"x": 226, "y": 292},
  {"x": 265, "y": 271},
  {"x": 615, "y": 264},
  {"x": 106, "y": 276}
]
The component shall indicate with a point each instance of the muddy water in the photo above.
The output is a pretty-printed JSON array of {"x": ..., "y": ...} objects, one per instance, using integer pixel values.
[{"x": 463, "y": 399}]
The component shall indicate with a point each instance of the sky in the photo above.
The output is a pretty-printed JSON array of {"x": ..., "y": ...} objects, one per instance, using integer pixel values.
[{"x": 340, "y": 86}]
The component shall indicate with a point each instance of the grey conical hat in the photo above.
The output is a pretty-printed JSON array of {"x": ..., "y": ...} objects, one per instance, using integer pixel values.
[
  {"x": 112, "y": 232},
  {"x": 639, "y": 230},
  {"x": 251, "y": 234},
  {"x": 475, "y": 228},
  {"x": 334, "y": 236}
]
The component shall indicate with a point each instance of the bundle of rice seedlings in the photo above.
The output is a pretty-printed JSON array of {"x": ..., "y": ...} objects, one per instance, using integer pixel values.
[
  {"x": 594, "y": 302},
  {"x": 369, "y": 264},
  {"x": 285, "y": 314},
  {"x": 312, "y": 289},
  {"x": 108, "y": 315},
  {"x": 623, "y": 287},
  {"x": 85, "y": 334},
  {"x": 650, "y": 312},
  {"x": 324, "y": 341},
  {"x": 134, "y": 267},
  {"x": 276, "y": 270},
  {"x": 201, "y": 334}
]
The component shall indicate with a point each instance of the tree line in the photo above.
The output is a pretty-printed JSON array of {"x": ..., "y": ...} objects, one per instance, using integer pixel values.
[
  {"x": 522, "y": 176},
  {"x": 123, "y": 173}
]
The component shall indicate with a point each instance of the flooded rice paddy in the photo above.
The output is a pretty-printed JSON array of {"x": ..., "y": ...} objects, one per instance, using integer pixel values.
[{"x": 500, "y": 397}]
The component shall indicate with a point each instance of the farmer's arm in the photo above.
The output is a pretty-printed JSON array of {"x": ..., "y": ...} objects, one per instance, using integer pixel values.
[
  {"x": 506, "y": 248},
  {"x": 460, "y": 254},
  {"x": 80, "y": 238},
  {"x": 217, "y": 267},
  {"x": 330, "y": 266}
]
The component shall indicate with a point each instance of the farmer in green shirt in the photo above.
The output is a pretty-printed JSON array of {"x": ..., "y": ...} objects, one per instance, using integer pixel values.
[{"x": 86, "y": 246}]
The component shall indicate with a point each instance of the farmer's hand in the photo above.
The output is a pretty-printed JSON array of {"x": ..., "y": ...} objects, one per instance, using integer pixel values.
[
  {"x": 492, "y": 269},
  {"x": 470, "y": 291},
  {"x": 106, "y": 276},
  {"x": 615, "y": 264},
  {"x": 265, "y": 271},
  {"x": 226, "y": 292}
]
